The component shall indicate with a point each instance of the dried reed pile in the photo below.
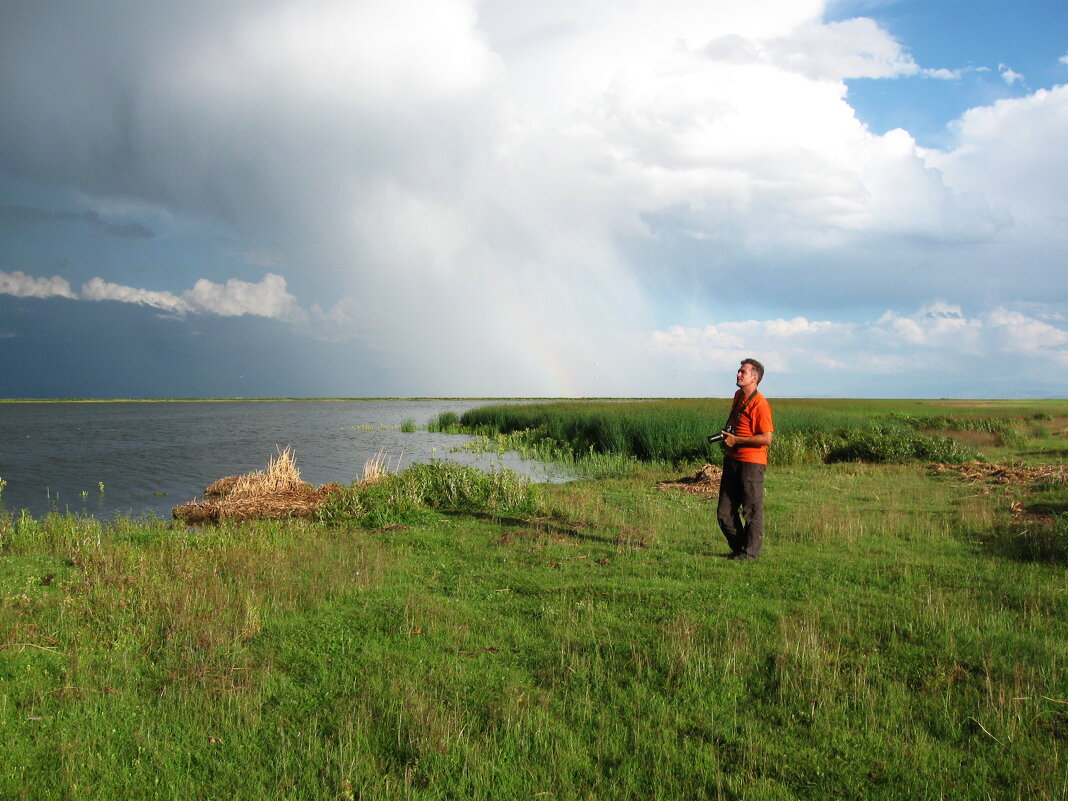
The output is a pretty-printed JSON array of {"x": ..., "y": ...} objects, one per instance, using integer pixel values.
[
  {"x": 704, "y": 482},
  {"x": 221, "y": 487},
  {"x": 264, "y": 494}
]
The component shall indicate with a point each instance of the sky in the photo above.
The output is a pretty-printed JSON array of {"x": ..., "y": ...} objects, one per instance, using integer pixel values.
[{"x": 498, "y": 198}]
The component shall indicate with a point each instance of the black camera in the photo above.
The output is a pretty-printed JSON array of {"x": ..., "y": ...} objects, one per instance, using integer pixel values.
[{"x": 719, "y": 437}]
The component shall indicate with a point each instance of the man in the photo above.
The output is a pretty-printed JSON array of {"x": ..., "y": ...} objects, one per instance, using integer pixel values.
[{"x": 741, "y": 490}]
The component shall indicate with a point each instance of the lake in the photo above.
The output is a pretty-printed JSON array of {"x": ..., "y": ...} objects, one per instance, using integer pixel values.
[{"x": 151, "y": 456}]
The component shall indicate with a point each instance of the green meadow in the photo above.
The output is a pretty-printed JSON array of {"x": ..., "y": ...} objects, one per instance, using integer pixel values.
[{"x": 446, "y": 634}]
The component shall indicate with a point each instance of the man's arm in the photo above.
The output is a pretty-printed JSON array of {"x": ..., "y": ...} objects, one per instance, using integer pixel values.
[{"x": 733, "y": 440}]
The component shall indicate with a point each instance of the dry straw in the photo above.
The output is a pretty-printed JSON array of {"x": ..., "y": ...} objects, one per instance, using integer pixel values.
[
  {"x": 377, "y": 467},
  {"x": 264, "y": 494},
  {"x": 704, "y": 482},
  {"x": 1015, "y": 474}
]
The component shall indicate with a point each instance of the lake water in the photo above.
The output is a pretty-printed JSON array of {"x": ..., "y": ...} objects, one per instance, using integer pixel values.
[{"x": 153, "y": 456}]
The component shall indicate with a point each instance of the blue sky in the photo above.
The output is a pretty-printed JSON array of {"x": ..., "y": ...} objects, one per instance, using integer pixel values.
[
  {"x": 499, "y": 198},
  {"x": 1001, "y": 50}
]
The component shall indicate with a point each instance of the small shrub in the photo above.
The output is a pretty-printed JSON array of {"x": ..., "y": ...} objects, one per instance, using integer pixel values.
[
  {"x": 883, "y": 444},
  {"x": 1005, "y": 429},
  {"x": 1040, "y": 432},
  {"x": 793, "y": 448}
]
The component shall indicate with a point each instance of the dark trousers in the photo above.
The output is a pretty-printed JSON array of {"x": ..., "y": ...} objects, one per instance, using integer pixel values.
[{"x": 741, "y": 506}]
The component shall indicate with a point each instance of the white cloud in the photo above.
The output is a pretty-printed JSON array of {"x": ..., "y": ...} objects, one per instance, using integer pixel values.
[
  {"x": 268, "y": 298},
  {"x": 1013, "y": 332},
  {"x": 937, "y": 342},
  {"x": 1009, "y": 75},
  {"x": 406, "y": 50},
  {"x": 777, "y": 343},
  {"x": 20, "y": 285},
  {"x": 97, "y": 289},
  {"x": 935, "y": 325},
  {"x": 1014, "y": 153},
  {"x": 944, "y": 74},
  {"x": 855, "y": 48},
  {"x": 627, "y": 111}
]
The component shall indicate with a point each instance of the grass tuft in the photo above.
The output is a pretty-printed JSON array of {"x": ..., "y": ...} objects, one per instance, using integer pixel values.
[
  {"x": 446, "y": 423},
  {"x": 409, "y": 496}
]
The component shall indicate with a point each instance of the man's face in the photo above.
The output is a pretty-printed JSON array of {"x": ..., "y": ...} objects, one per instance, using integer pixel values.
[{"x": 747, "y": 378}]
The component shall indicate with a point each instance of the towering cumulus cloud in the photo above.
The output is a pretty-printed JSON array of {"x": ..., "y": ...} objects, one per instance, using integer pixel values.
[{"x": 547, "y": 198}]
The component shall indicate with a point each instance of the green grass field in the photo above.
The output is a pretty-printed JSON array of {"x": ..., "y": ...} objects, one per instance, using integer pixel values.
[{"x": 904, "y": 636}]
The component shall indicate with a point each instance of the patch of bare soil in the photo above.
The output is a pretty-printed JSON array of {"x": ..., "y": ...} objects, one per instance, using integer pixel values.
[
  {"x": 704, "y": 482},
  {"x": 1058, "y": 426},
  {"x": 973, "y": 439},
  {"x": 1022, "y": 515}
]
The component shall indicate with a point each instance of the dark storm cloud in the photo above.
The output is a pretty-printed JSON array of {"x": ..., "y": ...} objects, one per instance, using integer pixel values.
[
  {"x": 231, "y": 109},
  {"x": 15, "y": 214},
  {"x": 60, "y": 348}
]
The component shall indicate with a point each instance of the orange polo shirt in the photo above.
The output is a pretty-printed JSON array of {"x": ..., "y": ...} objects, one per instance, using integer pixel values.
[{"x": 754, "y": 419}]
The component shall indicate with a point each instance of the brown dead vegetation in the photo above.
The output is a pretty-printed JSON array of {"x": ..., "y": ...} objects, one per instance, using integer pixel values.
[
  {"x": 1016, "y": 481},
  {"x": 276, "y": 492},
  {"x": 704, "y": 482},
  {"x": 1008, "y": 475},
  {"x": 221, "y": 487}
]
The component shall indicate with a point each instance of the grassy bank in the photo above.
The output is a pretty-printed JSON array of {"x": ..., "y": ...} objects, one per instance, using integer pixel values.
[{"x": 904, "y": 636}]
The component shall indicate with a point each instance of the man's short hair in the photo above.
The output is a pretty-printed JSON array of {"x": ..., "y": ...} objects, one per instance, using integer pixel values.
[{"x": 756, "y": 366}]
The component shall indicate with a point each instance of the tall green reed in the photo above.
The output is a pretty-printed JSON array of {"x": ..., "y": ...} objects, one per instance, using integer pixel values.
[{"x": 676, "y": 431}]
